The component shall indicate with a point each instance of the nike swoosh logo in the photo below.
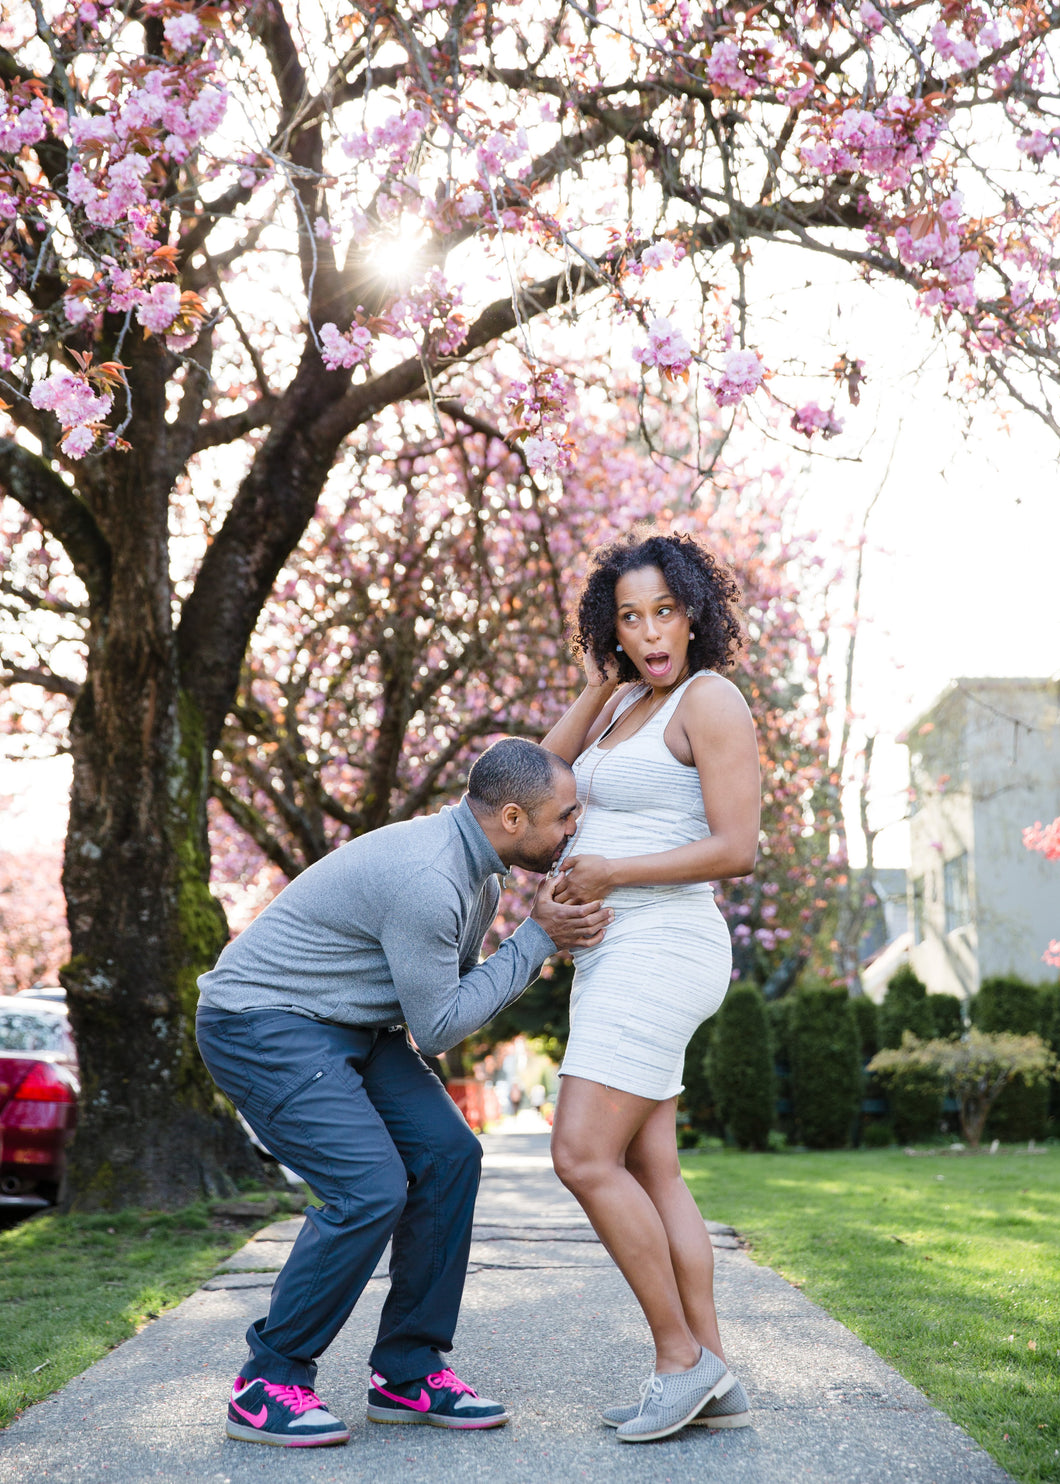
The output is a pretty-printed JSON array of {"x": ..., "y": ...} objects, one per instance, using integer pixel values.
[
  {"x": 256, "y": 1419},
  {"x": 422, "y": 1403}
]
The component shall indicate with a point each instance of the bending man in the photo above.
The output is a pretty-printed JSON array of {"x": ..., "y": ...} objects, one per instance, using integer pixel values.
[{"x": 302, "y": 1023}]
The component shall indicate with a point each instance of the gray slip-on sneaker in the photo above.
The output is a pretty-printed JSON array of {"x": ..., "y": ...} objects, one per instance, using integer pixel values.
[
  {"x": 671, "y": 1400},
  {"x": 730, "y": 1410}
]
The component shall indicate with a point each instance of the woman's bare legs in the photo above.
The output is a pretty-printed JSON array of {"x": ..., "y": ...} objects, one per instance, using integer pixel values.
[
  {"x": 594, "y": 1128},
  {"x": 651, "y": 1159}
]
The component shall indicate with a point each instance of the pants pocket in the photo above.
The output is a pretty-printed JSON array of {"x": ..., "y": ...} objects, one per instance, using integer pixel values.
[{"x": 291, "y": 1091}]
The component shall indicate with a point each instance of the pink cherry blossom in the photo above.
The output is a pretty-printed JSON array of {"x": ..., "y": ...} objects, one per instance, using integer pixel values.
[
  {"x": 659, "y": 254},
  {"x": 724, "y": 70},
  {"x": 1045, "y": 838},
  {"x": 20, "y": 127},
  {"x": 76, "y": 309},
  {"x": 741, "y": 374},
  {"x": 957, "y": 49},
  {"x": 542, "y": 454},
  {"x": 79, "y": 189},
  {"x": 338, "y": 350},
  {"x": 667, "y": 347},
  {"x": 77, "y": 442},
  {"x": 812, "y": 419},
  {"x": 182, "y": 31},
  {"x": 207, "y": 111},
  {"x": 1038, "y": 145},
  {"x": 70, "y": 397},
  {"x": 500, "y": 150},
  {"x": 159, "y": 308}
]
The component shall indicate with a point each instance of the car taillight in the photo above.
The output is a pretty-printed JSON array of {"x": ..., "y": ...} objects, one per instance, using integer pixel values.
[{"x": 44, "y": 1084}]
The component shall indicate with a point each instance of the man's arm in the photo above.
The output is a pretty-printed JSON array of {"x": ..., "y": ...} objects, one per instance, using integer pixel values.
[
  {"x": 421, "y": 940},
  {"x": 422, "y": 946}
]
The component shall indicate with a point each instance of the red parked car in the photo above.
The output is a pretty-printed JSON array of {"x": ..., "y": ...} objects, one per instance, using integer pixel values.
[{"x": 38, "y": 1098}]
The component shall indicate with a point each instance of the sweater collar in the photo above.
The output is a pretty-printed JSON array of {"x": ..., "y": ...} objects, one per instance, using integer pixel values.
[{"x": 482, "y": 859}]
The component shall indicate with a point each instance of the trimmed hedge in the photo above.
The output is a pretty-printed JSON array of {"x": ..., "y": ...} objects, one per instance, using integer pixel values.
[
  {"x": 868, "y": 1022},
  {"x": 915, "y": 1096},
  {"x": 740, "y": 1067},
  {"x": 946, "y": 1017},
  {"x": 698, "y": 1099},
  {"x": 904, "y": 1008},
  {"x": 1006, "y": 1004},
  {"x": 826, "y": 1066},
  {"x": 778, "y": 1013}
]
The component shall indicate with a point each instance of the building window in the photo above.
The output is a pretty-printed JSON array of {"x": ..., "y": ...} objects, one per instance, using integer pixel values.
[
  {"x": 918, "y": 909},
  {"x": 955, "y": 892}
]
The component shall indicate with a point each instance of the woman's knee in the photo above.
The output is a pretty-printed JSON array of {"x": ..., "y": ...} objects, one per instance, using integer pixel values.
[
  {"x": 653, "y": 1173},
  {"x": 578, "y": 1165}
]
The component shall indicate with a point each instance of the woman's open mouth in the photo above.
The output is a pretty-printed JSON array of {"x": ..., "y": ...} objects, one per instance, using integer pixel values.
[{"x": 657, "y": 664}]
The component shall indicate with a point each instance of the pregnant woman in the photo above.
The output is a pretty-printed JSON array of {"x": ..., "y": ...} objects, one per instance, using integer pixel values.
[{"x": 666, "y": 762}]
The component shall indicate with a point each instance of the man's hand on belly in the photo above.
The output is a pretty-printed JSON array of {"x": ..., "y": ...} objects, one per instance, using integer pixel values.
[
  {"x": 569, "y": 924},
  {"x": 584, "y": 878}
]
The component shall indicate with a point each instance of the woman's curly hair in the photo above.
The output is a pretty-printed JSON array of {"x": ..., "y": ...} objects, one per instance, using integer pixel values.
[{"x": 693, "y": 574}]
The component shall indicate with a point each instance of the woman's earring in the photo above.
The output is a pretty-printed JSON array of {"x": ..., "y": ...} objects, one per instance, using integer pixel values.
[
  {"x": 618, "y": 649},
  {"x": 691, "y": 635}
]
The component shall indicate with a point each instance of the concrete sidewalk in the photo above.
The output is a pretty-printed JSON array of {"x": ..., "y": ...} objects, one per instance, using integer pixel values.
[{"x": 549, "y": 1327}]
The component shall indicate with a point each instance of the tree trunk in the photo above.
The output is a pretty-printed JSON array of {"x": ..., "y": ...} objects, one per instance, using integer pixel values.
[
  {"x": 973, "y": 1118},
  {"x": 152, "y": 1128}
]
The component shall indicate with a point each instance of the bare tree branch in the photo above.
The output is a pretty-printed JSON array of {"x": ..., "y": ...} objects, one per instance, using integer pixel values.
[
  {"x": 54, "y": 505},
  {"x": 47, "y": 680}
]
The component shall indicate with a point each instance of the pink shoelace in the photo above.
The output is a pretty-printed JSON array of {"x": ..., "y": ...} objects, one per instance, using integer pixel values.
[
  {"x": 299, "y": 1398},
  {"x": 454, "y": 1383}
]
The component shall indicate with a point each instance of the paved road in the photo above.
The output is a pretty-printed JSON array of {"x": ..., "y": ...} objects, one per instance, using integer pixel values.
[{"x": 548, "y": 1326}]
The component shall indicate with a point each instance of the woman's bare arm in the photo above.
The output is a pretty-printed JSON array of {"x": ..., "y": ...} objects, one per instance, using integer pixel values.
[
  {"x": 590, "y": 714},
  {"x": 724, "y": 748}
]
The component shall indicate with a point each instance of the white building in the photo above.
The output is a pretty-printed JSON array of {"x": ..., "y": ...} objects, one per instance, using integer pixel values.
[{"x": 984, "y": 762}]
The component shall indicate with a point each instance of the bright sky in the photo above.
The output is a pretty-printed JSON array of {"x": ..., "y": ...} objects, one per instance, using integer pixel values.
[{"x": 962, "y": 542}]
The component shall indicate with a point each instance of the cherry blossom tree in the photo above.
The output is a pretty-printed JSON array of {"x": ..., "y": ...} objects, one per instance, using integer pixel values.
[
  {"x": 235, "y": 234},
  {"x": 435, "y": 622},
  {"x": 33, "y": 938}
]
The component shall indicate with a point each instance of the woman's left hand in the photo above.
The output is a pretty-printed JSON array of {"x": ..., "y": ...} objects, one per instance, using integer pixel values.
[{"x": 584, "y": 878}]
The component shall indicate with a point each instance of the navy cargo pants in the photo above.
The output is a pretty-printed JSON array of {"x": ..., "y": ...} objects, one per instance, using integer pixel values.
[{"x": 370, "y": 1129}]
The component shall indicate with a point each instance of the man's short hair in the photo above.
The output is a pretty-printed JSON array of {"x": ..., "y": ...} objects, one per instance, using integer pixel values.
[{"x": 513, "y": 771}]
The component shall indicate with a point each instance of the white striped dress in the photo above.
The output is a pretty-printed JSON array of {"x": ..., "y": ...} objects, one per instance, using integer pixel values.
[{"x": 664, "y": 964}]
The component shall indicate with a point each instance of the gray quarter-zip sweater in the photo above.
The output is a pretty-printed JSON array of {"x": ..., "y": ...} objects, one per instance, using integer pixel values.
[{"x": 387, "y": 928}]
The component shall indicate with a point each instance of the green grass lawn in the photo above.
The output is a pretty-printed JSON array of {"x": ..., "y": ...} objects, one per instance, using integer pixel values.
[
  {"x": 72, "y": 1287},
  {"x": 948, "y": 1266}
]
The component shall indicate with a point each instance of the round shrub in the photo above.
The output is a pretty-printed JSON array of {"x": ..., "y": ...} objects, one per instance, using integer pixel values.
[
  {"x": 741, "y": 1067},
  {"x": 904, "y": 1009},
  {"x": 826, "y": 1066}
]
